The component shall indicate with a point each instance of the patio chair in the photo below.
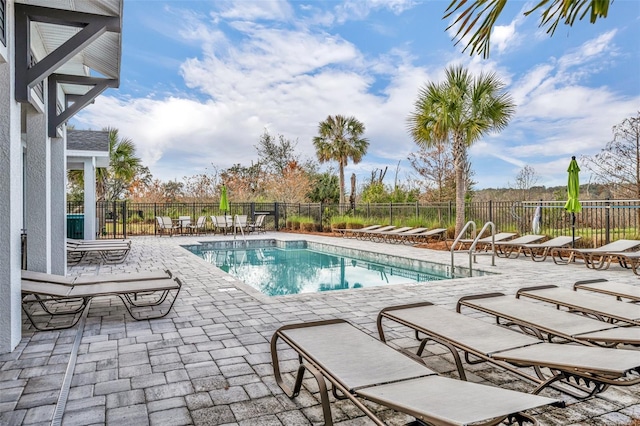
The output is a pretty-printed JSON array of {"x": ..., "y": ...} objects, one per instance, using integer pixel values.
[
  {"x": 592, "y": 257},
  {"x": 598, "y": 307},
  {"x": 222, "y": 224},
  {"x": 577, "y": 370},
  {"x": 619, "y": 290},
  {"x": 549, "y": 323},
  {"x": 258, "y": 225},
  {"x": 54, "y": 301},
  {"x": 166, "y": 226},
  {"x": 361, "y": 368},
  {"x": 200, "y": 227},
  {"x": 512, "y": 248},
  {"x": 110, "y": 253},
  {"x": 184, "y": 222},
  {"x": 345, "y": 232},
  {"x": 240, "y": 223},
  {"x": 539, "y": 251},
  {"x": 628, "y": 260}
]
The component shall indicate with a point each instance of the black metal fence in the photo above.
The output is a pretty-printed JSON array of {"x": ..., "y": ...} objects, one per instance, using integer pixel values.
[{"x": 599, "y": 222}]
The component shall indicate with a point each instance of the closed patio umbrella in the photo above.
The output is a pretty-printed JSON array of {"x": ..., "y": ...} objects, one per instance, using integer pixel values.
[
  {"x": 536, "y": 223},
  {"x": 573, "y": 191},
  {"x": 224, "y": 201}
]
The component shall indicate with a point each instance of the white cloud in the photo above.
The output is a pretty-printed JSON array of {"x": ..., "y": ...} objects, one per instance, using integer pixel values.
[{"x": 273, "y": 10}]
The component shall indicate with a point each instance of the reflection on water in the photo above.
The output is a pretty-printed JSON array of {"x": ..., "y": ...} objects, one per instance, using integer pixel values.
[{"x": 275, "y": 271}]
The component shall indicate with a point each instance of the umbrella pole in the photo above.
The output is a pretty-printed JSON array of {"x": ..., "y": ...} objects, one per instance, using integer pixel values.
[{"x": 573, "y": 230}]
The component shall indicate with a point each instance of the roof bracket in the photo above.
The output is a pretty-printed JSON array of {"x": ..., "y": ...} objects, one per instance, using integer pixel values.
[
  {"x": 27, "y": 75},
  {"x": 53, "y": 118}
]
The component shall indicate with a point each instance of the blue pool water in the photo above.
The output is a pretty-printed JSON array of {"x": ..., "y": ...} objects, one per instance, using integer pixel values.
[{"x": 282, "y": 268}]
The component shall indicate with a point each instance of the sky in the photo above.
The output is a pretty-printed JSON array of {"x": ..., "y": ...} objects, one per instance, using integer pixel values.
[{"x": 202, "y": 80}]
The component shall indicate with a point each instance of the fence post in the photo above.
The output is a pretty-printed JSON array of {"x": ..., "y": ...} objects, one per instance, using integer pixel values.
[
  {"x": 276, "y": 214},
  {"x": 124, "y": 219},
  {"x": 114, "y": 216},
  {"x": 490, "y": 211},
  {"x": 450, "y": 212},
  {"x": 390, "y": 212},
  {"x": 321, "y": 221},
  {"x": 417, "y": 212},
  {"x": 607, "y": 222},
  {"x": 155, "y": 218}
]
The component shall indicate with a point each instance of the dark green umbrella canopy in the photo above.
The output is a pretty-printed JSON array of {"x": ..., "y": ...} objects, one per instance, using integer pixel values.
[
  {"x": 224, "y": 201},
  {"x": 573, "y": 188}
]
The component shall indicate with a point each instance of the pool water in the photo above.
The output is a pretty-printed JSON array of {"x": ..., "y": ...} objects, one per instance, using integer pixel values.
[{"x": 277, "y": 271}]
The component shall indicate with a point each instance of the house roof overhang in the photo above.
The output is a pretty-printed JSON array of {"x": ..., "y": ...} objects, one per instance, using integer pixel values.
[
  {"x": 85, "y": 145},
  {"x": 75, "y": 44}
]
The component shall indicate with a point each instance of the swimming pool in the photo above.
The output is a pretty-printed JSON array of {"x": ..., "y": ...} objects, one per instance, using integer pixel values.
[{"x": 277, "y": 268}]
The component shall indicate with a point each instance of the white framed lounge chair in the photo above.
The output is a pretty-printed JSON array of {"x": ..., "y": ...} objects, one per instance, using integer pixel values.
[{"x": 540, "y": 251}]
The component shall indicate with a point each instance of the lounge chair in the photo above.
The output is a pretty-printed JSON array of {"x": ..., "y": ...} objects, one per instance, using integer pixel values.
[
  {"x": 406, "y": 236},
  {"x": 619, "y": 290},
  {"x": 578, "y": 370},
  {"x": 544, "y": 321},
  {"x": 437, "y": 234},
  {"x": 362, "y": 234},
  {"x": 97, "y": 242},
  {"x": 200, "y": 227},
  {"x": 628, "y": 260},
  {"x": 485, "y": 243},
  {"x": 592, "y": 305},
  {"x": 345, "y": 232},
  {"x": 539, "y": 252},
  {"x": 94, "y": 279},
  {"x": 512, "y": 248},
  {"x": 166, "y": 226},
  {"x": 361, "y": 368},
  {"x": 385, "y": 236},
  {"x": 70, "y": 301},
  {"x": 110, "y": 252},
  {"x": 592, "y": 257}
]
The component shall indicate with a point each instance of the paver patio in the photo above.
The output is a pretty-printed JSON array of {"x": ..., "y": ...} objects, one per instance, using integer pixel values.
[{"x": 208, "y": 361}]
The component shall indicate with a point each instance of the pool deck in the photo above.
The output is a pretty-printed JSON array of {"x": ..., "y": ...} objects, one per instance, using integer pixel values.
[{"x": 208, "y": 361}]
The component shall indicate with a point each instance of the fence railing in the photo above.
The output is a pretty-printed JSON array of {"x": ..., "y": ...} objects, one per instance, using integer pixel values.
[{"x": 600, "y": 221}]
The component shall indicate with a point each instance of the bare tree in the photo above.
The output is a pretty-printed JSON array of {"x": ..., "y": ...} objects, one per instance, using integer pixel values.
[
  {"x": 525, "y": 180},
  {"x": 618, "y": 164},
  {"x": 437, "y": 175}
]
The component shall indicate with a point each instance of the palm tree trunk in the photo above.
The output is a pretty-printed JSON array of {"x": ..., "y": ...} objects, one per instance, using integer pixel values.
[
  {"x": 341, "y": 184},
  {"x": 459, "y": 161}
]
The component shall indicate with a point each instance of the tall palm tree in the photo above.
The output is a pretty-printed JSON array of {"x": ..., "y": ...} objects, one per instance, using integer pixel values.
[
  {"x": 340, "y": 139},
  {"x": 111, "y": 182},
  {"x": 459, "y": 111},
  {"x": 481, "y": 16}
]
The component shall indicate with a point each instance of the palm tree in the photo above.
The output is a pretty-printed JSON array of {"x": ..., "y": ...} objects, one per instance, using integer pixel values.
[
  {"x": 552, "y": 13},
  {"x": 111, "y": 182},
  {"x": 340, "y": 139},
  {"x": 459, "y": 111}
]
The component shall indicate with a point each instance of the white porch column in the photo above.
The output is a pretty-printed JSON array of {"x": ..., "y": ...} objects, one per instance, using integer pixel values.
[
  {"x": 58, "y": 206},
  {"x": 90, "y": 198},
  {"x": 10, "y": 198},
  {"x": 38, "y": 192}
]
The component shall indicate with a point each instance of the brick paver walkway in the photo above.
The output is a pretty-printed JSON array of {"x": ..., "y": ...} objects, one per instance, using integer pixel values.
[{"x": 208, "y": 361}]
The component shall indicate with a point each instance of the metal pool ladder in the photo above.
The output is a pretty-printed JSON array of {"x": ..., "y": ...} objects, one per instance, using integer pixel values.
[{"x": 472, "y": 250}]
